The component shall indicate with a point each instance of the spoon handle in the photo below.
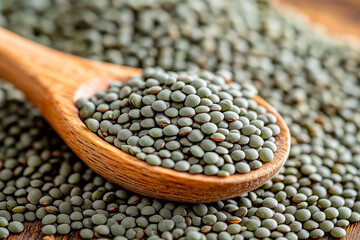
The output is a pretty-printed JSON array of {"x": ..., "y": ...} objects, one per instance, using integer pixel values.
[
  {"x": 33, "y": 68},
  {"x": 43, "y": 73}
]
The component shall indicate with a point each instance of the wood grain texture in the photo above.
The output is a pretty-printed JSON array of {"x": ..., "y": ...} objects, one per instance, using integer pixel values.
[
  {"x": 53, "y": 80},
  {"x": 339, "y": 18}
]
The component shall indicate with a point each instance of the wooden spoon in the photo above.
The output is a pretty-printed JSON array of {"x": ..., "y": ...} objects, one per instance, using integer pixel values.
[{"x": 53, "y": 81}]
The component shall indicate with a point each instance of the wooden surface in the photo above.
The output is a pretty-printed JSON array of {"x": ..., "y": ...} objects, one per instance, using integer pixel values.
[
  {"x": 51, "y": 80},
  {"x": 340, "y": 17}
]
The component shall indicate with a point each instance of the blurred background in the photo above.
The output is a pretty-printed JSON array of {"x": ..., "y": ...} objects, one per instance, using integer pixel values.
[{"x": 339, "y": 17}]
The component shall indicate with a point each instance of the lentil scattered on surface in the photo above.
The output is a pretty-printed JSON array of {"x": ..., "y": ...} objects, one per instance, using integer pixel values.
[{"x": 312, "y": 81}]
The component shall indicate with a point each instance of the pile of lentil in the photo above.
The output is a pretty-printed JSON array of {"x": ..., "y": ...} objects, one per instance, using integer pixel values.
[
  {"x": 312, "y": 81},
  {"x": 194, "y": 123}
]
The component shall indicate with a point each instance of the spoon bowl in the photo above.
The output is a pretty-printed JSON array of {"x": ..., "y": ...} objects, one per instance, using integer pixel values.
[{"x": 53, "y": 81}]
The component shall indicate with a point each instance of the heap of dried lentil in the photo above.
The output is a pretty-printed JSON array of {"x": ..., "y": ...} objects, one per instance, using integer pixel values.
[
  {"x": 313, "y": 82},
  {"x": 188, "y": 122}
]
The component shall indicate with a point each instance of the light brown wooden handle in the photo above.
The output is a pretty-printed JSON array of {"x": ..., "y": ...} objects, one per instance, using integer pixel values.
[
  {"x": 28, "y": 64},
  {"x": 38, "y": 71},
  {"x": 44, "y": 74}
]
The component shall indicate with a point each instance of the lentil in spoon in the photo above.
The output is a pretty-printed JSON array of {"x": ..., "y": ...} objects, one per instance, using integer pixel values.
[{"x": 198, "y": 123}]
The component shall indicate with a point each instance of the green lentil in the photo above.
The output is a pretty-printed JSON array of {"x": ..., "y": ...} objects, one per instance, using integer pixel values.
[
  {"x": 98, "y": 219},
  {"x": 182, "y": 166},
  {"x": 242, "y": 167},
  {"x": 153, "y": 160},
  {"x": 219, "y": 227},
  {"x": 262, "y": 232},
  {"x": 269, "y": 224},
  {"x": 338, "y": 232},
  {"x": 251, "y": 154},
  {"x": 264, "y": 212},
  {"x": 331, "y": 213},
  {"x": 3, "y": 222},
  {"x": 15, "y": 227},
  {"x": 317, "y": 233},
  {"x": 49, "y": 229},
  {"x": 302, "y": 215},
  {"x": 63, "y": 229},
  {"x": 159, "y": 106},
  {"x": 310, "y": 225},
  {"x": 342, "y": 223},
  {"x": 253, "y": 224},
  {"x": 319, "y": 216},
  {"x": 49, "y": 219},
  {"x": 326, "y": 226},
  {"x": 86, "y": 233},
  {"x": 92, "y": 124},
  {"x": 211, "y": 170},
  {"x": 4, "y": 233},
  {"x": 34, "y": 196},
  {"x": 266, "y": 155},
  {"x": 303, "y": 234},
  {"x": 344, "y": 212}
]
